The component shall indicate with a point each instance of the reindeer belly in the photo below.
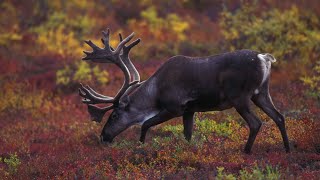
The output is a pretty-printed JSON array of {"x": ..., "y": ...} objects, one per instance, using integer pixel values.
[{"x": 212, "y": 101}]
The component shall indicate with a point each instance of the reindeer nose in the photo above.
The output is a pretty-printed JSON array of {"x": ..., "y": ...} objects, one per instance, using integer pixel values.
[
  {"x": 105, "y": 140},
  {"x": 101, "y": 138}
]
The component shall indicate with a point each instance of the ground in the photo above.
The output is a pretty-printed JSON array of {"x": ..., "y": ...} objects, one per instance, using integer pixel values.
[{"x": 56, "y": 139}]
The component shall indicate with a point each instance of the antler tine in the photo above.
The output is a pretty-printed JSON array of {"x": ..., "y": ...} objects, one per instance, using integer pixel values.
[
  {"x": 134, "y": 43},
  {"x": 93, "y": 46},
  {"x": 122, "y": 43},
  {"x": 125, "y": 58},
  {"x": 105, "y": 39},
  {"x": 127, "y": 48},
  {"x": 92, "y": 98},
  {"x": 100, "y": 55},
  {"x": 104, "y": 44},
  {"x": 137, "y": 41},
  {"x": 120, "y": 37},
  {"x": 87, "y": 53},
  {"x": 97, "y": 94}
]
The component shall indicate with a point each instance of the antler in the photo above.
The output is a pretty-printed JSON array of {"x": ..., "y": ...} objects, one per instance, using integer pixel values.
[
  {"x": 92, "y": 97},
  {"x": 97, "y": 113},
  {"x": 125, "y": 57},
  {"x": 108, "y": 55}
]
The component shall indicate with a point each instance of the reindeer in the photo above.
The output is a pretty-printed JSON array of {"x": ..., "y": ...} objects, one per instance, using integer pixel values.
[{"x": 182, "y": 86}]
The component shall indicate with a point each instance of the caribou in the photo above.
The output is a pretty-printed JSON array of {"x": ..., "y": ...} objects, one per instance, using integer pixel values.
[{"x": 180, "y": 87}]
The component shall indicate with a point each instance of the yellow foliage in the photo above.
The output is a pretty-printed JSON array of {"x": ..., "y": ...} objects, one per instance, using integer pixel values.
[
  {"x": 102, "y": 76},
  {"x": 60, "y": 33},
  {"x": 5, "y": 38},
  {"x": 170, "y": 29},
  {"x": 83, "y": 72},
  {"x": 15, "y": 97},
  {"x": 313, "y": 81},
  {"x": 63, "y": 75},
  {"x": 286, "y": 34},
  {"x": 80, "y": 3},
  {"x": 70, "y": 5},
  {"x": 58, "y": 41},
  {"x": 178, "y": 26},
  {"x": 159, "y": 25},
  {"x": 12, "y": 29}
]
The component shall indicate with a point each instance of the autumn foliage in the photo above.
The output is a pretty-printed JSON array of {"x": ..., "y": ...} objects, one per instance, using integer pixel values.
[{"x": 45, "y": 131}]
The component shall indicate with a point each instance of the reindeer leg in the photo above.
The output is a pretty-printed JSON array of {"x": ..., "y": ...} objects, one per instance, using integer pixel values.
[
  {"x": 163, "y": 116},
  {"x": 188, "y": 125},
  {"x": 253, "y": 121},
  {"x": 264, "y": 102}
]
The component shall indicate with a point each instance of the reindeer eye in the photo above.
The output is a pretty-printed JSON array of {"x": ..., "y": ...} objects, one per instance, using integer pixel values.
[{"x": 114, "y": 116}]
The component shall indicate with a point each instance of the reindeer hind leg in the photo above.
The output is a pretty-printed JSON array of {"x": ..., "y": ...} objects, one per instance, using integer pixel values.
[
  {"x": 243, "y": 108},
  {"x": 263, "y": 101}
]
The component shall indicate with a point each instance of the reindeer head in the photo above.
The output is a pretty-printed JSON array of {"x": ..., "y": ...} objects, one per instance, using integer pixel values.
[{"x": 119, "y": 120}]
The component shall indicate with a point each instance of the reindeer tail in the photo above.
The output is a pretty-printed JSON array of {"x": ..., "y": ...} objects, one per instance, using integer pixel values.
[{"x": 266, "y": 57}]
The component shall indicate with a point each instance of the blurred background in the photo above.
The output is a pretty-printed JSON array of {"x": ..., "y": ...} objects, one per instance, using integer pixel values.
[
  {"x": 42, "y": 41},
  {"x": 41, "y": 44}
]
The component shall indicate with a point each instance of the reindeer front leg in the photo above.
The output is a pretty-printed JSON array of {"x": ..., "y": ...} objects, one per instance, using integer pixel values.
[
  {"x": 188, "y": 125},
  {"x": 163, "y": 116}
]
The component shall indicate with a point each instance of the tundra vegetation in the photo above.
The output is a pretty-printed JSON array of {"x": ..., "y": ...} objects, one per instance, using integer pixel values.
[{"x": 45, "y": 129}]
